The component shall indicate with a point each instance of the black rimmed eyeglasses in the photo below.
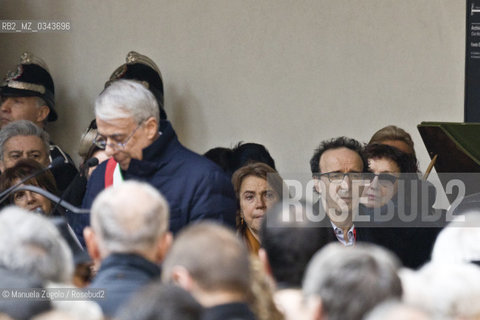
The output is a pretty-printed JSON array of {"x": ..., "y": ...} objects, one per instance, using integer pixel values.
[
  {"x": 338, "y": 177},
  {"x": 101, "y": 141}
]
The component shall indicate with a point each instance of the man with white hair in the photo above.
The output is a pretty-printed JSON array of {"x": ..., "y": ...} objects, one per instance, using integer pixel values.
[
  {"x": 33, "y": 247},
  {"x": 128, "y": 237},
  {"x": 345, "y": 283},
  {"x": 145, "y": 148}
]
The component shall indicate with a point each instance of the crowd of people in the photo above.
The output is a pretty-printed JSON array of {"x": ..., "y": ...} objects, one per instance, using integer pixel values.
[{"x": 165, "y": 233}]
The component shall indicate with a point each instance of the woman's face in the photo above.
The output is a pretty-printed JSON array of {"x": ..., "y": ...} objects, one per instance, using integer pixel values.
[
  {"x": 32, "y": 201},
  {"x": 383, "y": 185},
  {"x": 256, "y": 197}
]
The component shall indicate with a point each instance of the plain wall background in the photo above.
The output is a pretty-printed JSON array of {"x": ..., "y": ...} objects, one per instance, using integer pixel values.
[{"x": 286, "y": 74}]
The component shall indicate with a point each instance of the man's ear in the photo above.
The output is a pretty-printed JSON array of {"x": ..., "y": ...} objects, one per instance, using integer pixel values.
[
  {"x": 2, "y": 166},
  {"x": 182, "y": 277},
  {"x": 42, "y": 113},
  {"x": 92, "y": 244},
  {"x": 151, "y": 125},
  {"x": 163, "y": 246}
]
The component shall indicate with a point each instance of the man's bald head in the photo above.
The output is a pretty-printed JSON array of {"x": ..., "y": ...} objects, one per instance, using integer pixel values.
[{"x": 129, "y": 218}]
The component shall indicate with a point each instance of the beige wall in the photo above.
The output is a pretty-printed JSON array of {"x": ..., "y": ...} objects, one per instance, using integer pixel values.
[{"x": 283, "y": 73}]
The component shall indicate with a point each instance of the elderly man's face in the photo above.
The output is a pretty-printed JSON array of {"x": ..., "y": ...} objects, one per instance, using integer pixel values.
[
  {"x": 335, "y": 187},
  {"x": 22, "y": 108},
  {"x": 24, "y": 147},
  {"x": 125, "y": 138}
]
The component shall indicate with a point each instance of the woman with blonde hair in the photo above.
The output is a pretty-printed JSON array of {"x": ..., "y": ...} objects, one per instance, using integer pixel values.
[{"x": 257, "y": 187}]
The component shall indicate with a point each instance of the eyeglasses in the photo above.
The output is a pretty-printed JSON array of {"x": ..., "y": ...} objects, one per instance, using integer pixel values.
[
  {"x": 101, "y": 141},
  {"x": 338, "y": 177},
  {"x": 384, "y": 179}
]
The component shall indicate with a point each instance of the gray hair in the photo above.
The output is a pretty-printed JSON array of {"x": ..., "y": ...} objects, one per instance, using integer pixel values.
[
  {"x": 129, "y": 218},
  {"x": 459, "y": 241},
  {"x": 23, "y": 128},
  {"x": 30, "y": 243},
  {"x": 446, "y": 290},
  {"x": 126, "y": 99},
  {"x": 351, "y": 281}
]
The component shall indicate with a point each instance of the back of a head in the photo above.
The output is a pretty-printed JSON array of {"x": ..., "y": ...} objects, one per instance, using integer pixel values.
[
  {"x": 393, "y": 133},
  {"x": 129, "y": 218},
  {"x": 126, "y": 99},
  {"x": 245, "y": 153},
  {"x": 350, "y": 281},
  {"x": 30, "y": 243},
  {"x": 161, "y": 302},
  {"x": 214, "y": 257},
  {"x": 459, "y": 241},
  {"x": 290, "y": 242},
  {"x": 221, "y": 156},
  {"x": 446, "y": 290},
  {"x": 21, "y": 309}
]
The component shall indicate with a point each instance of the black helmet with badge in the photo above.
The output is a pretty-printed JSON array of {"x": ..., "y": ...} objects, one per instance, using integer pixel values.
[
  {"x": 31, "y": 79},
  {"x": 142, "y": 69}
]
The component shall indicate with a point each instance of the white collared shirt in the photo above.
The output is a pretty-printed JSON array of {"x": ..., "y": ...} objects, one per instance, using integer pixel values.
[{"x": 350, "y": 235}]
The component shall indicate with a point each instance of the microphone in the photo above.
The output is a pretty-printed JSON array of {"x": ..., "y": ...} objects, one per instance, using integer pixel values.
[
  {"x": 92, "y": 162},
  {"x": 56, "y": 162}
]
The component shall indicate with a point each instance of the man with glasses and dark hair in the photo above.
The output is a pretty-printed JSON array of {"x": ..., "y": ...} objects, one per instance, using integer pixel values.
[
  {"x": 147, "y": 149},
  {"x": 335, "y": 165}
]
